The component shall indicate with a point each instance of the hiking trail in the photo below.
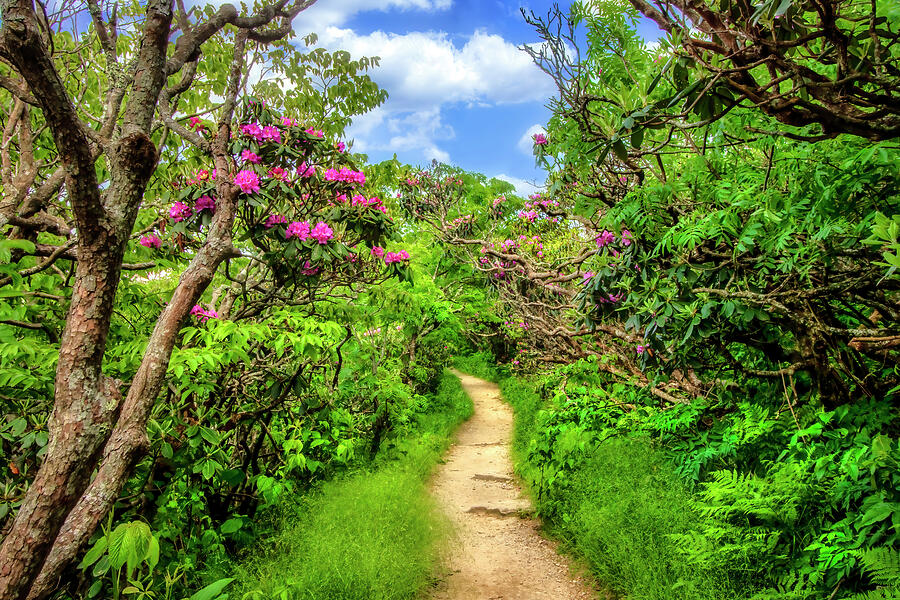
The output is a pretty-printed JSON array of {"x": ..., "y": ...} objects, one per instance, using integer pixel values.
[{"x": 498, "y": 553}]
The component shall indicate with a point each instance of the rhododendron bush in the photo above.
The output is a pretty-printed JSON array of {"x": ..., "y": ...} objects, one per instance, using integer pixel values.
[{"x": 193, "y": 273}]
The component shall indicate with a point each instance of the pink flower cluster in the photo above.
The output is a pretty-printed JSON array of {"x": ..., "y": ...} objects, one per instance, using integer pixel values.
[
  {"x": 346, "y": 175},
  {"x": 205, "y": 203},
  {"x": 279, "y": 174},
  {"x": 302, "y": 230},
  {"x": 250, "y": 156},
  {"x": 180, "y": 211},
  {"x": 611, "y": 298},
  {"x": 359, "y": 200},
  {"x": 269, "y": 133},
  {"x": 390, "y": 257},
  {"x": 395, "y": 257},
  {"x": 308, "y": 269},
  {"x": 248, "y": 181},
  {"x": 540, "y": 139},
  {"x": 150, "y": 241},
  {"x": 305, "y": 170},
  {"x": 462, "y": 221},
  {"x": 316, "y": 133},
  {"x": 202, "y": 314},
  {"x": 607, "y": 237},
  {"x": 274, "y": 220},
  {"x": 519, "y": 324}
]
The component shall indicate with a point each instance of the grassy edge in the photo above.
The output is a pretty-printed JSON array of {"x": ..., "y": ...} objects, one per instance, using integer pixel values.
[
  {"x": 372, "y": 534},
  {"x": 619, "y": 510}
]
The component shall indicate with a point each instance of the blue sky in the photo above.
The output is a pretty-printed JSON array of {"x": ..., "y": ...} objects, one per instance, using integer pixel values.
[{"x": 460, "y": 90}]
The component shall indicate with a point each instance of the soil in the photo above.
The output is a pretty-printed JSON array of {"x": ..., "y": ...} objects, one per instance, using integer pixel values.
[{"x": 499, "y": 553}]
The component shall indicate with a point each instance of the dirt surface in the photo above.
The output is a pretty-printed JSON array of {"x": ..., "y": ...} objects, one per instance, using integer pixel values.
[{"x": 499, "y": 554}]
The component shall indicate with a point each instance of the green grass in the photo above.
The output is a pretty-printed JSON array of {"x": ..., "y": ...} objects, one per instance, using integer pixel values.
[
  {"x": 618, "y": 508},
  {"x": 479, "y": 364},
  {"x": 374, "y": 534}
]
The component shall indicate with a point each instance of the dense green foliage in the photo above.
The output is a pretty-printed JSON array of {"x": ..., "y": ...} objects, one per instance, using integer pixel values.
[
  {"x": 697, "y": 322},
  {"x": 371, "y": 534}
]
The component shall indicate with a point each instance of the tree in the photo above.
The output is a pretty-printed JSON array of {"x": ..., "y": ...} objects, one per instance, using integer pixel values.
[{"x": 97, "y": 155}]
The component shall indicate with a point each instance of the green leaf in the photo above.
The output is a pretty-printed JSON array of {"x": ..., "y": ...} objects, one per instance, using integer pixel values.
[
  {"x": 232, "y": 525},
  {"x": 212, "y": 590},
  {"x": 878, "y": 512}
]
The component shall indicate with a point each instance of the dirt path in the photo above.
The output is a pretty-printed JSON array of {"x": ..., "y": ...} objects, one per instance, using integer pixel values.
[{"x": 499, "y": 553}]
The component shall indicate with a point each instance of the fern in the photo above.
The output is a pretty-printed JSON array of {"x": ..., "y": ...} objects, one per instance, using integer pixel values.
[{"x": 883, "y": 567}]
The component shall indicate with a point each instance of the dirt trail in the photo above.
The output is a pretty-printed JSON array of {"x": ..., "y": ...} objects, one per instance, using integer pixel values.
[{"x": 499, "y": 554}]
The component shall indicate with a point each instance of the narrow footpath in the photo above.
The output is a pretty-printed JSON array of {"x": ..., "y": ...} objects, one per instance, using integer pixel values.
[{"x": 499, "y": 554}]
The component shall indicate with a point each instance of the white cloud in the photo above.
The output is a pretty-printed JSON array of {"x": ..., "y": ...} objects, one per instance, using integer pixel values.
[
  {"x": 330, "y": 13},
  {"x": 425, "y": 71},
  {"x": 420, "y": 68},
  {"x": 523, "y": 188},
  {"x": 526, "y": 142}
]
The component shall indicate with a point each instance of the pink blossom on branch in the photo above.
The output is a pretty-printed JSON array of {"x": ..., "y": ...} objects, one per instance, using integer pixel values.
[
  {"x": 202, "y": 314},
  {"x": 346, "y": 175},
  {"x": 305, "y": 170},
  {"x": 297, "y": 229},
  {"x": 150, "y": 241},
  {"x": 205, "y": 203},
  {"x": 270, "y": 133},
  {"x": 250, "y": 156},
  {"x": 279, "y": 174},
  {"x": 540, "y": 139},
  {"x": 248, "y": 181},
  {"x": 321, "y": 233},
  {"x": 180, "y": 211},
  {"x": 274, "y": 220}
]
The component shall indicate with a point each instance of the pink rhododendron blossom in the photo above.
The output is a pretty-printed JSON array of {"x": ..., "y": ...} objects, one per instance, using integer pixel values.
[
  {"x": 248, "y": 181},
  {"x": 395, "y": 257},
  {"x": 540, "y": 139},
  {"x": 305, "y": 170},
  {"x": 252, "y": 130},
  {"x": 314, "y": 132},
  {"x": 180, "y": 211},
  {"x": 279, "y": 174},
  {"x": 605, "y": 238},
  {"x": 250, "y": 156},
  {"x": 345, "y": 174},
  {"x": 340, "y": 147},
  {"x": 150, "y": 241},
  {"x": 640, "y": 349},
  {"x": 287, "y": 122},
  {"x": 270, "y": 133},
  {"x": 205, "y": 203},
  {"x": 308, "y": 269},
  {"x": 202, "y": 314},
  {"x": 588, "y": 276},
  {"x": 626, "y": 237},
  {"x": 195, "y": 123},
  {"x": 274, "y": 220},
  {"x": 377, "y": 251},
  {"x": 321, "y": 233},
  {"x": 297, "y": 229}
]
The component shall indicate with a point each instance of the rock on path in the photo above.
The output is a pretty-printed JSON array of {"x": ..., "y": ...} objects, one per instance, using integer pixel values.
[{"x": 499, "y": 554}]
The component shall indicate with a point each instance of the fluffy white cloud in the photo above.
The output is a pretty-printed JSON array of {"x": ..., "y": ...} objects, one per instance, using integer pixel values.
[
  {"x": 424, "y": 71},
  {"x": 523, "y": 188},
  {"x": 526, "y": 142},
  {"x": 420, "y": 68},
  {"x": 330, "y": 13}
]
